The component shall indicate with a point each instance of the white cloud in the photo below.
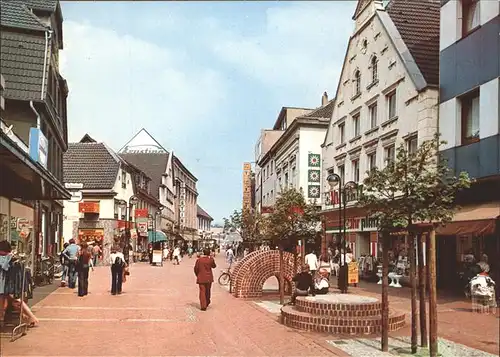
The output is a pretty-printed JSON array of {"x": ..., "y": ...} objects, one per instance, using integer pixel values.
[
  {"x": 301, "y": 50},
  {"x": 119, "y": 84}
]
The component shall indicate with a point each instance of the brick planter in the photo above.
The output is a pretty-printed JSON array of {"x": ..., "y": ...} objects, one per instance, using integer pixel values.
[
  {"x": 358, "y": 318},
  {"x": 250, "y": 274}
]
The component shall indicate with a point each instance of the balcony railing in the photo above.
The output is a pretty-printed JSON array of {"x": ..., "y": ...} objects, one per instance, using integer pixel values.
[{"x": 8, "y": 130}]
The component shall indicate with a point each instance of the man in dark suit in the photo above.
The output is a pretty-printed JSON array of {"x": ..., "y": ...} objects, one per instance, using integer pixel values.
[{"x": 204, "y": 277}]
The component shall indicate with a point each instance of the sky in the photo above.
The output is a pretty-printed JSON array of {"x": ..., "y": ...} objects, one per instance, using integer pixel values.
[{"x": 202, "y": 77}]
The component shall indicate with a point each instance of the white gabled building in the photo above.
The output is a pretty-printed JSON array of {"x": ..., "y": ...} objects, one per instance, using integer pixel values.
[{"x": 387, "y": 95}]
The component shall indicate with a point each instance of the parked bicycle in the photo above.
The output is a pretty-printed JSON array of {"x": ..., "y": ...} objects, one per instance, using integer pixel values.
[
  {"x": 225, "y": 277},
  {"x": 49, "y": 269}
]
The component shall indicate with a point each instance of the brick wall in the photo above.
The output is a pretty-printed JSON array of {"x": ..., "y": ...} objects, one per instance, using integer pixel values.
[{"x": 251, "y": 272}]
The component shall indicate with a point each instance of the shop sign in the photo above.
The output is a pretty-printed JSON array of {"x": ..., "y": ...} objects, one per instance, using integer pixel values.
[
  {"x": 76, "y": 196},
  {"x": 38, "y": 146},
  {"x": 91, "y": 232},
  {"x": 142, "y": 228},
  {"x": 73, "y": 186},
  {"x": 357, "y": 224},
  {"x": 88, "y": 207},
  {"x": 142, "y": 213},
  {"x": 333, "y": 198},
  {"x": 23, "y": 224},
  {"x": 353, "y": 273},
  {"x": 266, "y": 209}
]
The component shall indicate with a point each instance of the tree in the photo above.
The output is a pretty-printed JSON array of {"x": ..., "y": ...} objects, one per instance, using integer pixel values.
[
  {"x": 292, "y": 218},
  {"x": 249, "y": 224},
  {"x": 233, "y": 223},
  {"x": 415, "y": 188}
]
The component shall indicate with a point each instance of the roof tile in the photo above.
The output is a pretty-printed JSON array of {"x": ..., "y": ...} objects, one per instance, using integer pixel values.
[{"x": 202, "y": 213}]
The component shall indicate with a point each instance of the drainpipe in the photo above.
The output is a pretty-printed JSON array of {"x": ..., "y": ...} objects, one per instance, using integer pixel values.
[{"x": 48, "y": 35}]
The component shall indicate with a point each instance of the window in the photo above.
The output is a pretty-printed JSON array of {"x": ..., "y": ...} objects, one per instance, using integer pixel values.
[
  {"x": 357, "y": 82},
  {"x": 124, "y": 179},
  {"x": 356, "y": 124},
  {"x": 264, "y": 176},
  {"x": 390, "y": 154},
  {"x": 470, "y": 16},
  {"x": 355, "y": 170},
  {"x": 391, "y": 104},
  {"x": 373, "y": 115},
  {"x": 342, "y": 132},
  {"x": 342, "y": 173},
  {"x": 372, "y": 161},
  {"x": 412, "y": 144},
  {"x": 286, "y": 180},
  {"x": 374, "y": 63},
  {"x": 293, "y": 176},
  {"x": 470, "y": 117},
  {"x": 272, "y": 166},
  {"x": 272, "y": 193},
  {"x": 279, "y": 183}
]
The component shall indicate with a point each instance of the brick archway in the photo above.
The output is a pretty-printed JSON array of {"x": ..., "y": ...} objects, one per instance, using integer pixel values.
[{"x": 251, "y": 273}]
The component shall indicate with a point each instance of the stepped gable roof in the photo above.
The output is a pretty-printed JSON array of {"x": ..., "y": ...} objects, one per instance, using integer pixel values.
[
  {"x": 202, "y": 213},
  {"x": 93, "y": 164},
  {"x": 152, "y": 164},
  {"x": 418, "y": 24}
]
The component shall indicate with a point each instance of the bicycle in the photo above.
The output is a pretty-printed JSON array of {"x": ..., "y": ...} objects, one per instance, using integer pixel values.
[{"x": 225, "y": 277}]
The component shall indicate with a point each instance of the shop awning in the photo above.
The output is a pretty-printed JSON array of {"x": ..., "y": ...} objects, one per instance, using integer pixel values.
[
  {"x": 25, "y": 178},
  {"x": 158, "y": 236},
  {"x": 476, "y": 220}
]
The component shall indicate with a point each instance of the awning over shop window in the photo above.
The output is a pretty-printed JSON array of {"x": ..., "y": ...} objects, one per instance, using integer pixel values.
[
  {"x": 478, "y": 220},
  {"x": 158, "y": 236}
]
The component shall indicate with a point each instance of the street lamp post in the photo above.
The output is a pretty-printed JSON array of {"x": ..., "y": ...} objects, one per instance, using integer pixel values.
[
  {"x": 334, "y": 181},
  {"x": 158, "y": 213},
  {"x": 133, "y": 200}
]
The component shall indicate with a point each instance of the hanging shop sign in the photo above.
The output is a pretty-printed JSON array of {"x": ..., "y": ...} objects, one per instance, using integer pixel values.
[
  {"x": 38, "y": 147},
  {"x": 88, "y": 207},
  {"x": 182, "y": 204},
  {"x": 142, "y": 228},
  {"x": 23, "y": 224},
  {"x": 142, "y": 213}
]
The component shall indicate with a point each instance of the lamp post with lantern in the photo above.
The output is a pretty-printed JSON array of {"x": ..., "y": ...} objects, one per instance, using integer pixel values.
[
  {"x": 345, "y": 190},
  {"x": 133, "y": 200}
]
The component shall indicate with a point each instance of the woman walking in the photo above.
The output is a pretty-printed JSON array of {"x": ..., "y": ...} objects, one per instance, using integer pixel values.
[
  {"x": 118, "y": 263},
  {"x": 83, "y": 266}
]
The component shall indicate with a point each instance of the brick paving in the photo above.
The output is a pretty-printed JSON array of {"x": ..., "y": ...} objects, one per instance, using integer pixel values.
[{"x": 158, "y": 315}]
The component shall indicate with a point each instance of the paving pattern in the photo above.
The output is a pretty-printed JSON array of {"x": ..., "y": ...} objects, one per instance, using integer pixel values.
[
  {"x": 157, "y": 315},
  {"x": 401, "y": 347}
]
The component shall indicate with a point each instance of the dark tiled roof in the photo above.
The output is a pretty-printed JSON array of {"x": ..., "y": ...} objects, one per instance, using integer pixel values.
[
  {"x": 16, "y": 14},
  {"x": 152, "y": 164},
  {"x": 202, "y": 213},
  {"x": 93, "y": 164},
  {"x": 418, "y": 25},
  {"x": 325, "y": 111},
  {"x": 87, "y": 139},
  {"x": 21, "y": 63},
  {"x": 44, "y": 5}
]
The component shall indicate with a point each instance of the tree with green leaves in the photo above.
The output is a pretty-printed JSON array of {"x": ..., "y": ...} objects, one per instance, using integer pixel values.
[
  {"x": 249, "y": 224},
  {"x": 233, "y": 223},
  {"x": 417, "y": 187}
]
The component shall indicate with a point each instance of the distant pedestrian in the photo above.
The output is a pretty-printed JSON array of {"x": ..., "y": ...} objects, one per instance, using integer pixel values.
[
  {"x": 64, "y": 263},
  {"x": 96, "y": 253},
  {"x": 118, "y": 263},
  {"x": 177, "y": 255},
  {"x": 311, "y": 259},
  {"x": 84, "y": 263},
  {"x": 71, "y": 253},
  {"x": 204, "y": 277}
]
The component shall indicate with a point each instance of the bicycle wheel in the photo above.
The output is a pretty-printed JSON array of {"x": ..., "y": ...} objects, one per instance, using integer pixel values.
[{"x": 224, "y": 279}]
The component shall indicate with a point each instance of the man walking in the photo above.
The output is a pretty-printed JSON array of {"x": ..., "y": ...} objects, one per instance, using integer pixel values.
[{"x": 204, "y": 277}]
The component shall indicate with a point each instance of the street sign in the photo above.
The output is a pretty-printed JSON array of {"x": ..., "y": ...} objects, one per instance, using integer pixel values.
[{"x": 73, "y": 186}]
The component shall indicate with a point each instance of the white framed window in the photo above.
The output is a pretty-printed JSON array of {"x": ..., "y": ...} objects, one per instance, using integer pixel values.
[
  {"x": 389, "y": 154},
  {"x": 470, "y": 117},
  {"x": 372, "y": 160},
  {"x": 342, "y": 133},
  {"x": 391, "y": 105},
  {"x": 470, "y": 16},
  {"x": 372, "y": 110},
  {"x": 355, "y": 170},
  {"x": 356, "y": 124},
  {"x": 341, "y": 173},
  {"x": 412, "y": 145},
  {"x": 374, "y": 68},
  {"x": 357, "y": 82}
]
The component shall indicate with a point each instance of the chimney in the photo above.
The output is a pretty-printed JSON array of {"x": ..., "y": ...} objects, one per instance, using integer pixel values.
[{"x": 324, "y": 99}]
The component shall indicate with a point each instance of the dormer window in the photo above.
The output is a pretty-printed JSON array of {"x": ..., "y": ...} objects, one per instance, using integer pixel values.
[{"x": 357, "y": 82}]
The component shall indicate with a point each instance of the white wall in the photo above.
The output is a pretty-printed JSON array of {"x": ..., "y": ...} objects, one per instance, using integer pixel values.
[
  {"x": 311, "y": 140},
  {"x": 450, "y": 123},
  {"x": 451, "y": 19},
  {"x": 415, "y": 112}
]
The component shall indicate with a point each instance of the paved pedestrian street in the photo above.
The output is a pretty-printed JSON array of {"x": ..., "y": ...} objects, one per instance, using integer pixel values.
[{"x": 158, "y": 315}]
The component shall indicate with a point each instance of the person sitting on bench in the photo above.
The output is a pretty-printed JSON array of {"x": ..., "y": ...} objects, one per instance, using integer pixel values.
[
  {"x": 303, "y": 284},
  {"x": 321, "y": 285}
]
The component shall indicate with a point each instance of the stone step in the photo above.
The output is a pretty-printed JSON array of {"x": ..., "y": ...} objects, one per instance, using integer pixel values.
[
  {"x": 344, "y": 305},
  {"x": 339, "y": 325}
]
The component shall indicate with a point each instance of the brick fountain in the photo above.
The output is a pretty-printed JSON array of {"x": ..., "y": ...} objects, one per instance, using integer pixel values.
[{"x": 339, "y": 314}]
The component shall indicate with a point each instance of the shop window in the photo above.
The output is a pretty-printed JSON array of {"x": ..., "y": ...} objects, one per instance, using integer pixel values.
[
  {"x": 470, "y": 117},
  {"x": 470, "y": 16},
  {"x": 373, "y": 115},
  {"x": 356, "y": 124},
  {"x": 391, "y": 105}
]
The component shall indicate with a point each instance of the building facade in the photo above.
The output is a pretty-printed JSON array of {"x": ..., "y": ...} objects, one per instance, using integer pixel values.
[
  {"x": 387, "y": 95},
  {"x": 204, "y": 224},
  {"x": 294, "y": 160},
  {"x": 102, "y": 184},
  {"x": 469, "y": 120},
  {"x": 34, "y": 127}
]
